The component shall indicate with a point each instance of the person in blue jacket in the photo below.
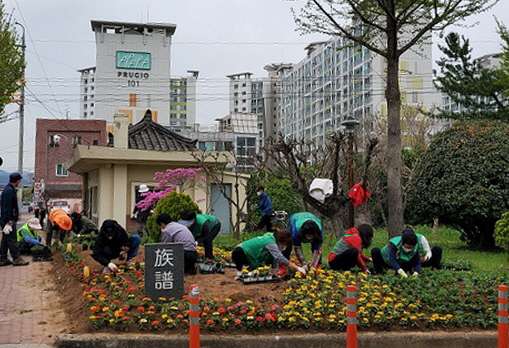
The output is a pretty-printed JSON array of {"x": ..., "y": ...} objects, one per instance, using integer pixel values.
[
  {"x": 265, "y": 207},
  {"x": 9, "y": 214},
  {"x": 306, "y": 228}
]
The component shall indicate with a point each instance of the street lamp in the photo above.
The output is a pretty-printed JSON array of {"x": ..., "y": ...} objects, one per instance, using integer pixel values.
[{"x": 350, "y": 123}]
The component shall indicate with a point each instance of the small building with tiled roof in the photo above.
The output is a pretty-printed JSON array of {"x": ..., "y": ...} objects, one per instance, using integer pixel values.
[
  {"x": 148, "y": 135},
  {"x": 112, "y": 174}
]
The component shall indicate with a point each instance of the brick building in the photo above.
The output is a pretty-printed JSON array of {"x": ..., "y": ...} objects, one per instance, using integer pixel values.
[{"x": 55, "y": 144}]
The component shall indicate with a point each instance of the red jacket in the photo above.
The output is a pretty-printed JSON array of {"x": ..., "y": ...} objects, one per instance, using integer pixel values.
[
  {"x": 358, "y": 194},
  {"x": 350, "y": 240}
]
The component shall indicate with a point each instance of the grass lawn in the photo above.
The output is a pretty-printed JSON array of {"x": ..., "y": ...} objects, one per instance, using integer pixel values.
[{"x": 454, "y": 250}]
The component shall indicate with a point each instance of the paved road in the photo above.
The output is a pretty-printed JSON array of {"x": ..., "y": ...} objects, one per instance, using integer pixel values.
[{"x": 30, "y": 313}]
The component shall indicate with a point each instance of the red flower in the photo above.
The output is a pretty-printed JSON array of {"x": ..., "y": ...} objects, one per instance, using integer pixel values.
[
  {"x": 155, "y": 322},
  {"x": 210, "y": 322},
  {"x": 237, "y": 321},
  {"x": 243, "y": 311},
  {"x": 260, "y": 319},
  {"x": 141, "y": 309}
]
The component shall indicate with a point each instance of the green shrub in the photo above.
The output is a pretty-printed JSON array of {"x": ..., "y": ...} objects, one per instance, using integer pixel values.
[
  {"x": 463, "y": 179},
  {"x": 172, "y": 204},
  {"x": 502, "y": 232},
  {"x": 280, "y": 190}
]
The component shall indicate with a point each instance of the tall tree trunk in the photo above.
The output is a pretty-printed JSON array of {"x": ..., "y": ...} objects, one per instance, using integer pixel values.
[{"x": 394, "y": 162}]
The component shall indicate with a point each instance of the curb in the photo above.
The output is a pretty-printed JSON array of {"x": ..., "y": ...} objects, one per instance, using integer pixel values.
[{"x": 322, "y": 340}]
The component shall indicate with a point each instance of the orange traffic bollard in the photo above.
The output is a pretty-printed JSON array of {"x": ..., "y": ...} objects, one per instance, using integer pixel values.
[
  {"x": 194, "y": 317},
  {"x": 351, "y": 317},
  {"x": 503, "y": 323}
]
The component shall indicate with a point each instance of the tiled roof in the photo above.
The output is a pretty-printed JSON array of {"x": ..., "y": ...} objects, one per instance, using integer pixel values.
[{"x": 148, "y": 135}]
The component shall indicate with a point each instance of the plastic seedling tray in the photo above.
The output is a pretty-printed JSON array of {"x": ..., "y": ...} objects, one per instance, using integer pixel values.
[{"x": 260, "y": 279}]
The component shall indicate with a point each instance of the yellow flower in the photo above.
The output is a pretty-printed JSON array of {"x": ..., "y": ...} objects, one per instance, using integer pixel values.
[
  {"x": 169, "y": 321},
  {"x": 112, "y": 320},
  {"x": 164, "y": 316}
]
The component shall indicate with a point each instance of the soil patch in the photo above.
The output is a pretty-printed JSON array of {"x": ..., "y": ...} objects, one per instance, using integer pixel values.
[{"x": 211, "y": 286}]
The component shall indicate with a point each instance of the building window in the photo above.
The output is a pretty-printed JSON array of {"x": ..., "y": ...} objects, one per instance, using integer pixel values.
[
  {"x": 95, "y": 142},
  {"x": 61, "y": 170},
  {"x": 54, "y": 140},
  {"x": 132, "y": 99},
  {"x": 76, "y": 140}
]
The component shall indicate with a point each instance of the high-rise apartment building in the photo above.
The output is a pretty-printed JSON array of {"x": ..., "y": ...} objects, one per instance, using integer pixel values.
[
  {"x": 336, "y": 80},
  {"x": 183, "y": 100},
  {"x": 132, "y": 72}
]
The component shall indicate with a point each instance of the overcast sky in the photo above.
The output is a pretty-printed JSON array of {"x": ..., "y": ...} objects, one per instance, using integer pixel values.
[{"x": 215, "y": 37}]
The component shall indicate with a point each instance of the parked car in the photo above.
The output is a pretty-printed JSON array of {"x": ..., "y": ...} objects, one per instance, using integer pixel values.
[
  {"x": 60, "y": 204},
  {"x": 27, "y": 206}
]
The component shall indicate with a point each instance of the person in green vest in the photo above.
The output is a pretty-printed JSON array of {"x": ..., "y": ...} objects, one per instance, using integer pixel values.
[
  {"x": 264, "y": 250},
  {"x": 401, "y": 253},
  {"x": 28, "y": 238},
  {"x": 306, "y": 228},
  {"x": 204, "y": 228}
]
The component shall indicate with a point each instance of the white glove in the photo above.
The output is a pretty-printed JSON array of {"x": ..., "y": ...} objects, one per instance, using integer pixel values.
[
  {"x": 301, "y": 270},
  {"x": 402, "y": 273},
  {"x": 368, "y": 272},
  {"x": 415, "y": 274},
  {"x": 112, "y": 267},
  {"x": 7, "y": 229}
]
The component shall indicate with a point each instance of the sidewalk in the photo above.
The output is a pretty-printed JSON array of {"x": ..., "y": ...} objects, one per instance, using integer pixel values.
[{"x": 30, "y": 311}]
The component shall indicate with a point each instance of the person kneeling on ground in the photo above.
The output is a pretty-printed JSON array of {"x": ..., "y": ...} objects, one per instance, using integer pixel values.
[
  {"x": 264, "y": 250},
  {"x": 58, "y": 222},
  {"x": 430, "y": 257},
  {"x": 204, "y": 228},
  {"x": 306, "y": 228},
  {"x": 173, "y": 232},
  {"x": 113, "y": 242},
  {"x": 81, "y": 225},
  {"x": 400, "y": 254},
  {"x": 28, "y": 239},
  {"x": 347, "y": 253}
]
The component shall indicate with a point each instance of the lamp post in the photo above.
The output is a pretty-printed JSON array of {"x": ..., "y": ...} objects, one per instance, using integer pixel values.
[{"x": 349, "y": 123}]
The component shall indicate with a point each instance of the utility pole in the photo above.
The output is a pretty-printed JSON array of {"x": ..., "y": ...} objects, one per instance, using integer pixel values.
[{"x": 21, "y": 120}]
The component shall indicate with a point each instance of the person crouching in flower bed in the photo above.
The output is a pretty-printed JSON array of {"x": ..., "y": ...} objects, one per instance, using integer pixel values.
[
  {"x": 28, "y": 239},
  {"x": 264, "y": 250},
  {"x": 113, "y": 242},
  {"x": 400, "y": 254},
  {"x": 173, "y": 232},
  {"x": 347, "y": 253}
]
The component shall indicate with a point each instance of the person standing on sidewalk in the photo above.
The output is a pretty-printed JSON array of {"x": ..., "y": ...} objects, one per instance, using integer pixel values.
[{"x": 9, "y": 214}]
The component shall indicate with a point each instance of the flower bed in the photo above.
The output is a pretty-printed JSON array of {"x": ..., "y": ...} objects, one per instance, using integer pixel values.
[{"x": 444, "y": 299}]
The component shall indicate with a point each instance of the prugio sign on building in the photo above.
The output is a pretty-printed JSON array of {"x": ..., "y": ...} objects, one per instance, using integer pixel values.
[{"x": 164, "y": 270}]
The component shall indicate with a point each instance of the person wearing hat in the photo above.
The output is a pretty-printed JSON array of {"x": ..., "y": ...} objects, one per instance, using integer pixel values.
[
  {"x": 27, "y": 235},
  {"x": 9, "y": 213},
  {"x": 58, "y": 222},
  {"x": 141, "y": 215},
  {"x": 113, "y": 242}
]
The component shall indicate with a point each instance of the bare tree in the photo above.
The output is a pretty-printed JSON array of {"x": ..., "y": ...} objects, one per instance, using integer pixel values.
[
  {"x": 303, "y": 161},
  {"x": 388, "y": 28},
  {"x": 218, "y": 166}
]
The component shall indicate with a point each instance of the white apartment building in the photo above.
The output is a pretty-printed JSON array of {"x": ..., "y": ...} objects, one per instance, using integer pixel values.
[
  {"x": 335, "y": 81},
  {"x": 132, "y": 72},
  {"x": 87, "y": 92},
  {"x": 183, "y": 100},
  {"x": 260, "y": 96}
]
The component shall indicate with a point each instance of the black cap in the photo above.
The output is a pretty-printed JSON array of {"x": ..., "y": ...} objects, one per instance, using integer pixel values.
[{"x": 13, "y": 177}]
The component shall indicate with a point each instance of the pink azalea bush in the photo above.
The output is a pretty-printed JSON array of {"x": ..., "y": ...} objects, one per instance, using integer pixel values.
[{"x": 168, "y": 181}]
